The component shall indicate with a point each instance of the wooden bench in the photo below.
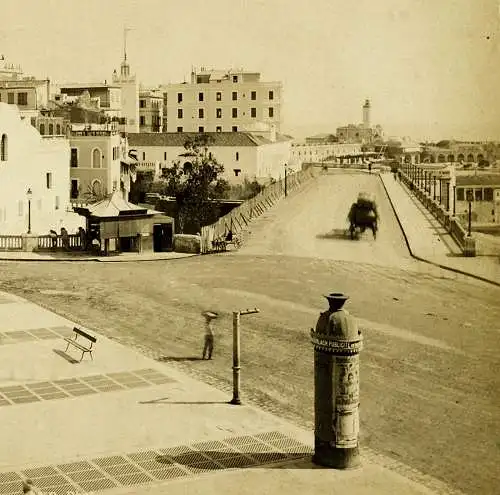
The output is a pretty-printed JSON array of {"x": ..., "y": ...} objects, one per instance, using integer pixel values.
[{"x": 73, "y": 342}]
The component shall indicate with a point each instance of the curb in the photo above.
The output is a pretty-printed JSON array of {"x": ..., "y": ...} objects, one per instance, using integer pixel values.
[
  {"x": 96, "y": 260},
  {"x": 433, "y": 263}
]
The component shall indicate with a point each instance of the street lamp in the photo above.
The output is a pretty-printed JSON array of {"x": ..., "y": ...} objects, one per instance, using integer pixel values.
[
  {"x": 470, "y": 197},
  {"x": 29, "y": 195},
  {"x": 285, "y": 180}
]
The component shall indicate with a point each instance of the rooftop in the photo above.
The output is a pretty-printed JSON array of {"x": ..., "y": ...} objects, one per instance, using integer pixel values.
[
  {"x": 218, "y": 138},
  {"x": 478, "y": 180}
]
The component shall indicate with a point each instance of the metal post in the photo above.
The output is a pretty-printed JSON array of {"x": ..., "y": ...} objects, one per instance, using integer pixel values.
[
  {"x": 286, "y": 192},
  {"x": 455, "y": 200},
  {"x": 236, "y": 353},
  {"x": 236, "y": 358},
  {"x": 470, "y": 218},
  {"x": 434, "y": 187},
  {"x": 29, "y": 216}
]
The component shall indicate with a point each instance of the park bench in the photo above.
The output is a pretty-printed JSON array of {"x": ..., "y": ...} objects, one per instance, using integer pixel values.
[{"x": 73, "y": 341}]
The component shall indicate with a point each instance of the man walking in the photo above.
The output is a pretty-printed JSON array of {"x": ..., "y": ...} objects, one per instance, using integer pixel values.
[{"x": 209, "y": 334}]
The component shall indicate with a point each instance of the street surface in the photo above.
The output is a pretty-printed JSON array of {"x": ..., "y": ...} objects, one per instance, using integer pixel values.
[{"x": 429, "y": 371}]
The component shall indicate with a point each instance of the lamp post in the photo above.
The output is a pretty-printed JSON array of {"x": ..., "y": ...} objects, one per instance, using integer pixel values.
[
  {"x": 469, "y": 199},
  {"x": 29, "y": 195},
  {"x": 286, "y": 169}
]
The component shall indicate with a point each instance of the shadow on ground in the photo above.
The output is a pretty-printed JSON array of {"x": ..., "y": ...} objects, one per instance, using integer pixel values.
[
  {"x": 335, "y": 234},
  {"x": 219, "y": 460},
  {"x": 65, "y": 356},
  {"x": 164, "y": 359}
]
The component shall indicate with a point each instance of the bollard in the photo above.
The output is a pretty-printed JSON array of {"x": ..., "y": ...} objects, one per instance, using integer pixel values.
[{"x": 337, "y": 343}]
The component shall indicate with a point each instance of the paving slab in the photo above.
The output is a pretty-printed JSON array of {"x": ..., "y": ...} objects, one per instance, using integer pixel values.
[{"x": 124, "y": 423}]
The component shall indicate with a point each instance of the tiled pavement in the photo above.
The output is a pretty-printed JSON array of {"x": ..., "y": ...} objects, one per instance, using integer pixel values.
[{"x": 123, "y": 423}]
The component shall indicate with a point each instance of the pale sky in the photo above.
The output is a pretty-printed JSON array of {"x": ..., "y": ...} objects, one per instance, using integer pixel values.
[{"x": 431, "y": 68}]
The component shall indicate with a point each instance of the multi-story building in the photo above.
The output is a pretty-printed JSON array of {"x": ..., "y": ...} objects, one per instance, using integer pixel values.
[
  {"x": 108, "y": 97},
  {"x": 99, "y": 162},
  {"x": 150, "y": 110},
  {"x": 28, "y": 93},
  {"x": 243, "y": 154},
  {"x": 30, "y": 162},
  {"x": 223, "y": 101}
]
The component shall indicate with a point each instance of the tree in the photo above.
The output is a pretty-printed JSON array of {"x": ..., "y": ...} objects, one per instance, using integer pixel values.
[{"x": 194, "y": 183}]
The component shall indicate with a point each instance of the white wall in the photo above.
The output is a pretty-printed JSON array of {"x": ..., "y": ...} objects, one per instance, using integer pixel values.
[
  {"x": 254, "y": 162},
  {"x": 30, "y": 157}
]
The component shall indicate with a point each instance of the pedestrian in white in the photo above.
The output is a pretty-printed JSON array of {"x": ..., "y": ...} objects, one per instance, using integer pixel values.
[{"x": 209, "y": 334}]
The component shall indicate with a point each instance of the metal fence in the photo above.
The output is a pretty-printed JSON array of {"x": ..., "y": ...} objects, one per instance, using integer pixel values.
[{"x": 238, "y": 219}]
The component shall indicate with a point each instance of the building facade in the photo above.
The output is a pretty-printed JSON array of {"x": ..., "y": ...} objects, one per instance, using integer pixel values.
[
  {"x": 243, "y": 155},
  {"x": 318, "y": 152},
  {"x": 223, "y": 101},
  {"x": 484, "y": 190},
  {"x": 28, "y": 161},
  {"x": 98, "y": 162},
  {"x": 150, "y": 110},
  {"x": 108, "y": 97},
  {"x": 27, "y": 93}
]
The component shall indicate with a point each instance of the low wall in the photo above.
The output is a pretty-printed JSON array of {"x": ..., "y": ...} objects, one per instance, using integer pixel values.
[{"x": 187, "y": 243}]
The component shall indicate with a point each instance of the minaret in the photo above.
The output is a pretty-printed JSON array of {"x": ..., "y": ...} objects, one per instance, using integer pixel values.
[
  {"x": 366, "y": 114},
  {"x": 125, "y": 67},
  {"x": 129, "y": 89}
]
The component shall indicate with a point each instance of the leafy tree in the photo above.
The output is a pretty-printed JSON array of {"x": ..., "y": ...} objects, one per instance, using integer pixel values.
[{"x": 194, "y": 183}]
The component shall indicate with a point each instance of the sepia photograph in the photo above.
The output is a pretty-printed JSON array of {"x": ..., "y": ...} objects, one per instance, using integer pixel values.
[{"x": 250, "y": 246}]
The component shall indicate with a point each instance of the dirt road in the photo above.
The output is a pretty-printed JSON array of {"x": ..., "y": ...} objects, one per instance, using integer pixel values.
[{"x": 429, "y": 371}]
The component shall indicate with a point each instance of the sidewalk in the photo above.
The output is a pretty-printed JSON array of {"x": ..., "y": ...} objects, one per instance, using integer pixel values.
[
  {"x": 81, "y": 256},
  {"x": 429, "y": 241},
  {"x": 125, "y": 424}
]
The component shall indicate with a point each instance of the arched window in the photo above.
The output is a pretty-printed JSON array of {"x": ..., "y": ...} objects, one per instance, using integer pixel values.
[
  {"x": 96, "y": 187},
  {"x": 96, "y": 158},
  {"x": 470, "y": 157},
  {"x": 51, "y": 129},
  {"x": 187, "y": 167},
  {"x": 58, "y": 129},
  {"x": 4, "y": 148},
  {"x": 42, "y": 129}
]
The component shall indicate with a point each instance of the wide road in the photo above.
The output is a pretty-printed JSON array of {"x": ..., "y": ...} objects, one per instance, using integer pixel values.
[
  {"x": 429, "y": 370},
  {"x": 312, "y": 222}
]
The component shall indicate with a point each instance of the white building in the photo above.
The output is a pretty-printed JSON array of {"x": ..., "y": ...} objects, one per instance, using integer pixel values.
[
  {"x": 317, "y": 153},
  {"x": 243, "y": 154},
  {"x": 40, "y": 164},
  {"x": 223, "y": 101}
]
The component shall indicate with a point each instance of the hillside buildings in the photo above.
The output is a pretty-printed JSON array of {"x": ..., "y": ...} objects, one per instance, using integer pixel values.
[{"x": 223, "y": 101}]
